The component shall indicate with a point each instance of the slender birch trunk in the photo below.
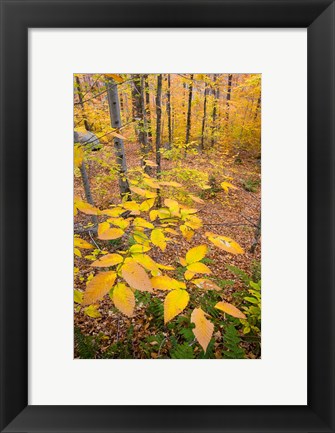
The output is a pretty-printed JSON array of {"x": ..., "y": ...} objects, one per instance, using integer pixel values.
[
  {"x": 114, "y": 110},
  {"x": 189, "y": 113}
]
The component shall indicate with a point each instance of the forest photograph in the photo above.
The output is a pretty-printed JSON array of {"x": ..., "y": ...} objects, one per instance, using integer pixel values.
[{"x": 167, "y": 216}]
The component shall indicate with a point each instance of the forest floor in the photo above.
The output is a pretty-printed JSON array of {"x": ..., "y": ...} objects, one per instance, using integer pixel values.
[{"x": 234, "y": 214}]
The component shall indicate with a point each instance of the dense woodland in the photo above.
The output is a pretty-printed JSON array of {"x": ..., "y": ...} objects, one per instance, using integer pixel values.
[{"x": 167, "y": 216}]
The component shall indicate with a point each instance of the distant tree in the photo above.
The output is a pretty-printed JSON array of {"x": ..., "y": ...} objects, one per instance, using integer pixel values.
[
  {"x": 147, "y": 107},
  {"x": 189, "y": 112},
  {"x": 80, "y": 96},
  {"x": 168, "y": 110},
  {"x": 158, "y": 123},
  {"x": 258, "y": 106},
  {"x": 215, "y": 103},
  {"x": 203, "y": 126},
  {"x": 228, "y": 97},
  {"x": 140, "y": 114},
  {"x": 115, "y": 116}
]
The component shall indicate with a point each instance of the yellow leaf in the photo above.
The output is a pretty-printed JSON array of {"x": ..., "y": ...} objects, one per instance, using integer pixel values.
[
  {"x": 90, "y": 257},
  {"x": 141, "y": 222},
  {"x": 138, "y": 248},
  {"x": 163, "y": 213},
  {"x": 196, "y": 199},
  {"x": 182, "y": 261},
  {"x": 77, "y": 297},
  {"x": 187, "y": 232},
  {"x": 203, "y": 330},
  {"x": 152, "y": 183},
  {"x": 172, "y": 205},
  {"x": 108, "y": 233},
  {"x": 139, "y": 191},
  {"x": 92, "y": 311},
  {"x": 230, "y": 309},
  {"x": 141, "y": 238},
  {"x": 146, "y": 261},
  {"x": 117, "y": 135},
  {"x": 157, "y": 238},
  {"x": 202, "y": 283},
  {"x": 185, "y": 211},
  {"x": 119, "y": 222},
  {"x": 147, "y": 205},
  {"x": 124, "y": 299},
  {"x": 166, "y": 267},
  {"x": 188, "y": 275},
  {"x": 199, "y": 268},
  {"x": 132, "y": 206},
  {"x": 80, "y": 243},
  {"x": 136, "y": 276},
  {"x": 167, "y": 283},
  {"x": 86, "y": 208},
  {"x": 78, "y": 156},
  {"x": 226, "y": 185},
  {"x": 150, "y": 194},
  {"x": 153, "y": 214},
  {"x": 171, "y": 231},
  {"x": 77, "y": 252},
  {"x": 108, "y": 260},
  {"x": 225, "y": 243},
  {"x": 174, "y": 184},
  {"x": 175, "y": 302},
  {"x": 115, "y": 212},
  {"x": 115, "y": 77},
  {"x": 193, "y": 222},
  {"x": 150, "y": 163},
  {"x": 196, "y": 254},
  {"x": 98, "y": 287}
]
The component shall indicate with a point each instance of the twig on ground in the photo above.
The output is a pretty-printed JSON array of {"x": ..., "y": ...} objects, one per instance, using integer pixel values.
[{"x": 92, "y": 239}]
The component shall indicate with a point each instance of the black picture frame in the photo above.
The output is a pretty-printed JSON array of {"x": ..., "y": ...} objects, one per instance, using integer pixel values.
[{"x": 16, "y": 18}]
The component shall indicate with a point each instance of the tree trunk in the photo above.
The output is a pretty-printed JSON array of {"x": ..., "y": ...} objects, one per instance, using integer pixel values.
[
  {"x": 147, "y": 107},
  {"x": 80, "y": 95},
  {"x": 204, "y": 120},
  {"x": 258, "y": 107},
  {"x": 230, "y": 79},
  {"x": 158, "y": 123},
  {"x": 86, "y": 184},
  {"x": 82, "y": 168},
  {"x": 243, "y": 123},
  {"x": 144, "y": 128},
  {"x": 140, "y": 114},
  {"x": 257, "y": 236},
  {"x": 189, "y": 112},
  {"x": 168, "y": 109},
  {"x": 114, "y": 110},
  {"x": 126, "y": 107},
  {"x": 214, "y": 110}
]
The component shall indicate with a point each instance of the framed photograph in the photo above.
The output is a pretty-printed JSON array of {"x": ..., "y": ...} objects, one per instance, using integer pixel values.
[{"x": 167, "y": 216}]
